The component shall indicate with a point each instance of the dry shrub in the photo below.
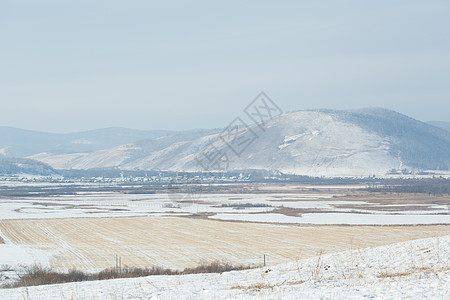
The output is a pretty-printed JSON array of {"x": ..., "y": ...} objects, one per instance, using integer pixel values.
[
  {"x": 214, "y": 267},
  {"x": 245, "y": 205},
  {"x": 38, "y": 275},
  {"x": 385, "y": 274},
  {"x": 133, "y": 272}
]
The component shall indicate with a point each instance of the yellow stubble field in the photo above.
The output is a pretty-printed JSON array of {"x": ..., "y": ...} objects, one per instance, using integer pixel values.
[{"x": 179, "y": 242}]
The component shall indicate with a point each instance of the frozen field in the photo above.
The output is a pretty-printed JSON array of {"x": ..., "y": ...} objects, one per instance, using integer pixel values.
[
  {"x": 291, "y": 205},
  {"x": 417, "y": 269}
]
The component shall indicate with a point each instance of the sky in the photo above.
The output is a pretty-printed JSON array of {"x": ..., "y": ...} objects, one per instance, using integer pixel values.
[{"x": 69, "y": 66}]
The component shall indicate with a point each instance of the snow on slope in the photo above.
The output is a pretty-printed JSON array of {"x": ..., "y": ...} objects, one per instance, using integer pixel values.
[
  {"x": 58, "y": 161},
  {"x": 99, "y": 159},
  {"x": 417, "y": 269},
  {"x": 22, "y": 166},
  {"x": 316, "y": 143},
  {"x": 122, "y": 155}
]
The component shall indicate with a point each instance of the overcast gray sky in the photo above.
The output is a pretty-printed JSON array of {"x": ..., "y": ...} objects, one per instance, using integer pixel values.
[{"x": 77, "y": 65}]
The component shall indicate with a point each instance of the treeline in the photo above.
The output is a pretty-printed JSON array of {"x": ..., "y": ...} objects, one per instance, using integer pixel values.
[{"x": 435, "y": 186}]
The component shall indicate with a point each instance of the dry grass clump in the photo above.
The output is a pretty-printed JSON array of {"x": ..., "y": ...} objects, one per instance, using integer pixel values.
[
  {"x": 245, "y": 205},
  {"x": 253, "y": 287},
  {"x": 288, "y": 211},
  {"x": 386, "y": 274},
  {"x": 411, "y": 271},
  {"x": 2, "y": 241}
]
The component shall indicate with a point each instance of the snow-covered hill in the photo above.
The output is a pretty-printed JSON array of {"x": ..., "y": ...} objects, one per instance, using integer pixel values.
[
  {"x": 441, "y": 124},
  {"x": 124, "y": 155},
  {"x": 409, "y": 270},
  {"x": 314, "y": 142},
  {"x": 22, "y": 166}
]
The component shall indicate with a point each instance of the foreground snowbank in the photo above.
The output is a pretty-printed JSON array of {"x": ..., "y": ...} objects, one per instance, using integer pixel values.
[{"x": 415, "y": 269}]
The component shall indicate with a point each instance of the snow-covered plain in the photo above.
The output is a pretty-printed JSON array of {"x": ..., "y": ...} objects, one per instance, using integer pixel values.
[
  {"x": 339, "y": 219},
  {"x": 320, "y": 208},
  {"x": 417, "y": 269},
  {"x": 111, "y": 204}
]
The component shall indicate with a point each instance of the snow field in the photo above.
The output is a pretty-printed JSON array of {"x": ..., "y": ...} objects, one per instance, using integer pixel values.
[{"x": 418, "y": 269}]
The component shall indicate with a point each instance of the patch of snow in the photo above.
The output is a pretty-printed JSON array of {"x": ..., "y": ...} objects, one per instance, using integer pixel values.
[
  {"x": 82, "y": 141},
  {"x": 338, "y": 218},
  {"x": 17, "y": 256},
  {"x": 3, "y": 150}
]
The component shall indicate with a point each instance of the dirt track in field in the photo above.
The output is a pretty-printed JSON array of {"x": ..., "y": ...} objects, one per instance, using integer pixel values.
[{"x": 92, "y": 243}]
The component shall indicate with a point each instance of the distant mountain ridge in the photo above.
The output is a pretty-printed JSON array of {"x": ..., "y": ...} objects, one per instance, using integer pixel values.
[
  {"x": 312, "y": 142},
  {"x": 15, "y": 142}
]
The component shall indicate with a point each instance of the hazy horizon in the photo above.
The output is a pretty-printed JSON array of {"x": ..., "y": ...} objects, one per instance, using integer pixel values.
[
  {"x": 166, "y": 129},
  {"x": 77, "y": 66}
]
